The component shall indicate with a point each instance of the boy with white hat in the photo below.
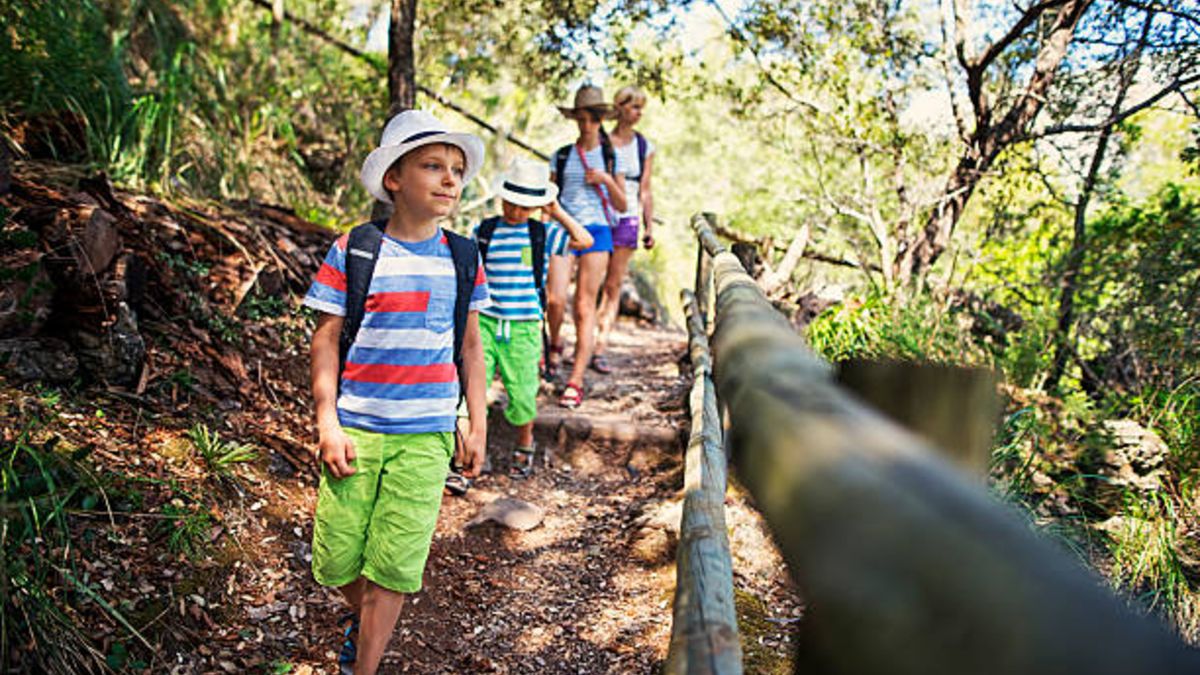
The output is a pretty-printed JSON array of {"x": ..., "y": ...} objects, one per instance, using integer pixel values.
[
  {"x": 396, "y": 344},
  {"x": 516, "y": 250}
]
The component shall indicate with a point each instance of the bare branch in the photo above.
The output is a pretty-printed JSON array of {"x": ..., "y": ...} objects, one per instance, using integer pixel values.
[
  {"x": 960, "y": 118},
  {"x": 1027, "y": 19},
  {"x": 1176, "y": 86}
]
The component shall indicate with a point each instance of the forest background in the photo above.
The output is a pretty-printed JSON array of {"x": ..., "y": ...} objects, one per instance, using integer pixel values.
[{"x": 964, "y": 182}]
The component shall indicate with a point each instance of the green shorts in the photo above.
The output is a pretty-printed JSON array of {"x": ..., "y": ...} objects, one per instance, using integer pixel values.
[
  {"x": 516, "y": 347},
  {"x": 378, "y": 523}
]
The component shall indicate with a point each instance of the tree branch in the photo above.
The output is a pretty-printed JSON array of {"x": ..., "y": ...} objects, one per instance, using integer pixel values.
[
  {"x": 766, "y": 72},
  {"x": 1027, "y": 19},
  {"x": 1175, "y": 86}
]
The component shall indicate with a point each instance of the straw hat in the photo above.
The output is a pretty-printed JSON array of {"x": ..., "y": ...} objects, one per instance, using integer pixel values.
[
  {"x": 407, "y": 131},
  {"x": 589, "y": 97},
  {"x": 527, "y": 183}
]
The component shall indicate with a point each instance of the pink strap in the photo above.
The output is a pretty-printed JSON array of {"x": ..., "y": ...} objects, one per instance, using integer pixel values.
[{"x": 603, "y": 199}]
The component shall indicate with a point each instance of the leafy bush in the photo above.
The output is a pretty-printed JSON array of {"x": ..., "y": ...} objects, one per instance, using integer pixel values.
[{"x": 924, "y": 329}]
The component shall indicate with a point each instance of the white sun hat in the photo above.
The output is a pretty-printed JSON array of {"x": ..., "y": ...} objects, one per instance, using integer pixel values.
[
  {"x": 412, "y": 129},
  {"x": 527, "y": 183}
]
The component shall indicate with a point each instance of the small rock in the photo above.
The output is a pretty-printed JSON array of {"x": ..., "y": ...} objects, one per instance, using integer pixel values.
[{"x": 512, "y": 513}]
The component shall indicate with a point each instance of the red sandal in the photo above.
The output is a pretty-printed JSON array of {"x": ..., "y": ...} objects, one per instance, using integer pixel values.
[{"x": 572, "y": 396}]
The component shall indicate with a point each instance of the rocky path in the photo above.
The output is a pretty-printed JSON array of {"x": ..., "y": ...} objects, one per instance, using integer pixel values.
[
  {"x": 171, "y": 557},
  {"x": 588, "y": 590}
]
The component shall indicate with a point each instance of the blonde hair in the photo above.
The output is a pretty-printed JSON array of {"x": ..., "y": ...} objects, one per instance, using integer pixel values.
[{"x": 629, "y": 93}]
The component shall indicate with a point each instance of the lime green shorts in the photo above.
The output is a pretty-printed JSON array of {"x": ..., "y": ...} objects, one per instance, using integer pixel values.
[
  {"x": 378, "y": 522},
  {"x": 516, "y": 347}
]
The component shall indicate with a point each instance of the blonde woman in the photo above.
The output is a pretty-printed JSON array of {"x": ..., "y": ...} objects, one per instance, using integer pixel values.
[{"x": 636, "y": 155}]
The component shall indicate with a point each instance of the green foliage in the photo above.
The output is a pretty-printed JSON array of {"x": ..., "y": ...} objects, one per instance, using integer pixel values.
[
  {"x": 1140, "y": 298},
  {"x": 186, "y": 527},
  {"x": 1145, "y": 542},
  {"x": 53, "y": 53},
  {"x": 39, "y": 486},
  {"x": 219, "y": 455},
  {"x": 926, "y": 329},
  {"x": 258, "y": 307},
  {"x": 1013, "y": 453}
]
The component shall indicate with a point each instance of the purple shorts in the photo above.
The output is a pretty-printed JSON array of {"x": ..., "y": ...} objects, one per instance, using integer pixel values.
[{"x": 625, "y": 234}]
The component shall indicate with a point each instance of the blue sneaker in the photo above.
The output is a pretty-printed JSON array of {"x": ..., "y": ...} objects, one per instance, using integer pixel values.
[{"x": 349, "y": 652}]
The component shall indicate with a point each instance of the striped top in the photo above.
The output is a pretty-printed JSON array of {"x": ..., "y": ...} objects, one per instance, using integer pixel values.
[
  {"x": 509, "y": 266},
  {"x": 577, "y": 197},
  {"x": 399, "y": 376}
]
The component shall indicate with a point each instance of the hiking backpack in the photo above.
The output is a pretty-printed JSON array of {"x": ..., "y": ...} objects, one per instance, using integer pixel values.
[
  {"x": 537, "y": 242},
  {"x": 562, "y": 154},
  {"x": 642, "y": 147},
  {"x": 362, "y": 250}
]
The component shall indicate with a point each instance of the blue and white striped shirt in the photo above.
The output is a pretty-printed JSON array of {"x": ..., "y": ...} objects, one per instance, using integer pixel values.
[
  {"x": 509, "y": 269},
  {"x": 577, "y": 197}
]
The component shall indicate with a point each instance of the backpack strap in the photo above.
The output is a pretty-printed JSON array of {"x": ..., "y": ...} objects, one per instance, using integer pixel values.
[
  {"x": 483, "y": 236},
  {"x": 362, "y": 250},
  {"x": 537, "y": 242},
  {"x": 560, "y": 166},
  {"x": 465, "y": 254},
  {"x": 642, "y": 147}
]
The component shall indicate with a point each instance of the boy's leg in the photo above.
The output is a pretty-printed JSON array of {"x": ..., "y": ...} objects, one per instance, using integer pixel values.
[
  {"x": 519, "y": 373},
  {"x": 344, "y": 510},
  {"x": 353, "y": 593},
  {"x": 592, "y": 268},
  {"x": 380, "y": 610},
  {"x": 610, "y": 299},
  {"x": 525, "y": 434}
]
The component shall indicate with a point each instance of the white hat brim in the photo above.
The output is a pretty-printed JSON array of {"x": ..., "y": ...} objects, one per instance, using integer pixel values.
[
  {"x": 526, "y": 200},
  {"x": 381, "y": 159}
]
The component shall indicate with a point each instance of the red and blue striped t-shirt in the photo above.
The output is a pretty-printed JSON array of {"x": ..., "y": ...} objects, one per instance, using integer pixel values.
[{"x": 399, "y": 376}]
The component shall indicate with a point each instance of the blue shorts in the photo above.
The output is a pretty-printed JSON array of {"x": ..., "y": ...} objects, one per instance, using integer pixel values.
[{"x": 602, "y": 234}]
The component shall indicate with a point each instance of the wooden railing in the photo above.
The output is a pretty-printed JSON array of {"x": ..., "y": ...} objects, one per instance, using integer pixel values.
[{"x": 906, "y": 564}]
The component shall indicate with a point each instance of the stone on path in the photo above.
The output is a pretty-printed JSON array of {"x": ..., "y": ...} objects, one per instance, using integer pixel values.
[{"x": 515, "y": 514}]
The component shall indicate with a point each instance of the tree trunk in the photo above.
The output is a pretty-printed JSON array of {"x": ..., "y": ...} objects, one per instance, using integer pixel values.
[
  {"x": 1064, "y": 343},
  {"x": 989, "y": 139},
  {"x": 402, "y": 73}
]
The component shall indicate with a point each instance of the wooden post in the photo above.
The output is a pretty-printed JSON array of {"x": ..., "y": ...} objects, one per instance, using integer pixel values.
[
  {"x": 704, "y": 634},
  {"x": 907, "y": 566},
  {"x": 703, "y": 224}
]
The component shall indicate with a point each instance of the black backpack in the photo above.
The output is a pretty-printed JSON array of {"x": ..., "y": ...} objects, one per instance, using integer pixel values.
[
  {"x": 642, "y": 146},
  {"x": 537, "y": 242},
  {"x": 362, "y": 250},
  {"x": 562, "y": 154}
]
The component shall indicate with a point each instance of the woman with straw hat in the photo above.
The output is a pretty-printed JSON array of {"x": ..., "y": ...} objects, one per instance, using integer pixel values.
[{"x": 592, "y": 189}]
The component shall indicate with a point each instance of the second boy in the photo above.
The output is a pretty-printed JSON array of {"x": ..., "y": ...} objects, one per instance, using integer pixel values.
[{"x": 515, "y": 250}]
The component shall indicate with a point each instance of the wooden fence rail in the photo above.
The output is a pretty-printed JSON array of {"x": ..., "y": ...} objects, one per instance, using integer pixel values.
[
  {"x": 704, "y": 636},
  {"x": 906, "y": 565}
]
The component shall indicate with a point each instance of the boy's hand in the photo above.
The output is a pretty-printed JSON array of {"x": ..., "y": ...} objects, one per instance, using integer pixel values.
[
  {"x": 475, "y": 449},
  {"x": 648, "y": 240},
  {"x": 336, "y": 452}
]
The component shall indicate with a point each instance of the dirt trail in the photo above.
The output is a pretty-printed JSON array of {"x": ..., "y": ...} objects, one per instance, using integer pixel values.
[
  {"x": 590, "y": 589},
  {"x": 192, "y": 566}
]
